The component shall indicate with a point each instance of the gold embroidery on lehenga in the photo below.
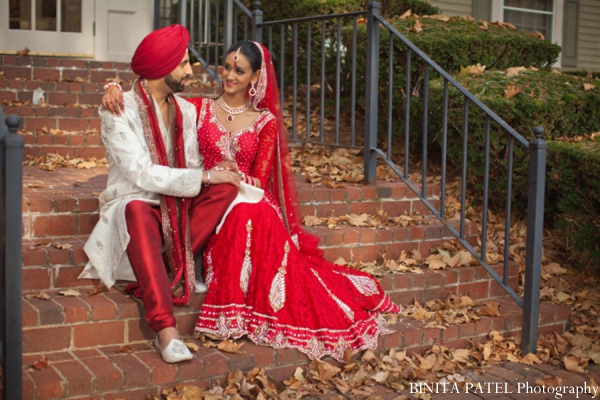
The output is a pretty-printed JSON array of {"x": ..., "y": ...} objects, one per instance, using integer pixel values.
[
  {"x": 340, "y": 348},
  {"x": 240, "y": 326},
  {"x": 296, "y": 241},
  {"x": 279, "y": 341},
  {"x": 277, "y": 292},
  {"x": 222, "y": 326},
  {"x": 315, "y": 349},
  {"x": 247, "y": 263},
  {"x": 363, "y": 284},
  {"x": 260, "y": 333},
  {"x": 210, "y": 273},
  {"x": 345, "y": 308}
]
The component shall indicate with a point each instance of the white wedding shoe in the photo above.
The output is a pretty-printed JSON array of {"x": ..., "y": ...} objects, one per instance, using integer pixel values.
[{"x": 175, "y": 352}]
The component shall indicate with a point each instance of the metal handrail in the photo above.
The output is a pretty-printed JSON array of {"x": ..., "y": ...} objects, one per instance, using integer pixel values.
[
  {"x": 11, "y": 259},
  {"x": 450, "y": 79},
  {"x": 537, "y": 149}
]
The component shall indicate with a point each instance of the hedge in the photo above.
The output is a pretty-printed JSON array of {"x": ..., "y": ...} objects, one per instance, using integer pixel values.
[
  {"x": 279, "y": 10},
  {"x": 573, "y": 197},
  {"x": 452, "y": 45}
]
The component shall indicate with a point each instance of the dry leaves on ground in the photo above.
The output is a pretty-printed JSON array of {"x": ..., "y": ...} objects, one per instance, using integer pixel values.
[
  {"x": 50, "y": 162},
  {"x": 42, "y": 295},
  {"x": 40, "y": 364}
]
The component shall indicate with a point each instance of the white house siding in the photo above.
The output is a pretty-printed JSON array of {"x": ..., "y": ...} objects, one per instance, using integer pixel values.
[
  {"x": 588, "y": 54},
  {"x": 456, "y": 7}
]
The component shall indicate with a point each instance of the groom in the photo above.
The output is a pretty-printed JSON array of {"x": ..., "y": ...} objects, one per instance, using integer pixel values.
[{"x": 158, "y": 195}]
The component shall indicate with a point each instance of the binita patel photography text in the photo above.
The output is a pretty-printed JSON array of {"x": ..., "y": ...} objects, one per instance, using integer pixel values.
[{"x": 504, "y": 388}]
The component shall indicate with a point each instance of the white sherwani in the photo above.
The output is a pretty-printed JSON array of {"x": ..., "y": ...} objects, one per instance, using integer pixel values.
[{"x": 133, "y": 176}]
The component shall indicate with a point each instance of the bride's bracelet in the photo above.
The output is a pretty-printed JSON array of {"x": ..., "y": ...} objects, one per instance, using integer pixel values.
[
  {"x": 109, "y": 84},
  {"x": 207, "y": 177}
]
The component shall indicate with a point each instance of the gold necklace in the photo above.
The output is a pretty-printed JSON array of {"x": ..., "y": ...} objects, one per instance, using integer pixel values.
[{"x": 233, "y": 112}]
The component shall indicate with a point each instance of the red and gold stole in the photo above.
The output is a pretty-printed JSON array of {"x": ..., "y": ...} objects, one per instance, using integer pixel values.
[{"x": 174, "y": 210}]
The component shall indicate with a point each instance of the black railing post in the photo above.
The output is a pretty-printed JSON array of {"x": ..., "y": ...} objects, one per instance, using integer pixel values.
[
  {"x": 156, "y": 14},
  {"x": 228, "y": 24},
  {"x": 372, "y": 93},
  {"x": 535, "y": 231},
  {"x": 257, "y": 19},
  {"x": 12, "y": 182},
  {"x": 182, "y": 13}
]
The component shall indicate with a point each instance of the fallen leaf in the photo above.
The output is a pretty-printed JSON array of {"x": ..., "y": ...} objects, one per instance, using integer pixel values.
[
  {"x": 97, "y": 290},
  {"x": 562, "y": 297},
  {"x": 537, "y": 35},
  {"x": 311, "y": 220},
  {"x": 530, "y": 359},
  {"x": 23, "y": 52},
  {"x": 40, "y": 364},
  {"x": 511, "y": 91},
  {"x": 230, "y": 347},
  {"x": 340, "y": 261},
  {"x": 39, "y": 295},
  {"x": 192, "y": 346},
  {"x": 407, "y": 14},
  {"x": 575, "y": 364},
  {"x": 417, "y": 27},
  {"x": 554, "y": 269},
  {"x": 588, "y": 86},
  {"x": 64, "y": 246},
  {"x": 70, "y": 293}
]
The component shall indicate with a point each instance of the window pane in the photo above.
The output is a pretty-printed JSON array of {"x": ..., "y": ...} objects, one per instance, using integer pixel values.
[
  {"x": 542, "y": 5},
  {"x": 530, "y": 22},
  {"x": 70, "y": 14},
  {"x": 20, "y": 14},
  {"x": 45, "y": 15}
]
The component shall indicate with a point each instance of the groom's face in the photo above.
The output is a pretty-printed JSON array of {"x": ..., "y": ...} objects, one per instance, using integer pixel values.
[{"x": 178, "y": 79}]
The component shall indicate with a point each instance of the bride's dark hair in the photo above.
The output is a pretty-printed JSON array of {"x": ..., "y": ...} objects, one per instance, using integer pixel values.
[{"x": 250, "y": 51}]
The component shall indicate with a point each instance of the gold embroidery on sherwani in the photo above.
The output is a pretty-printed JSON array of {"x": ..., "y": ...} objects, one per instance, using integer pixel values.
[
  {"x": 277, "y": 292},
  {"x": 247, "y": 263}
]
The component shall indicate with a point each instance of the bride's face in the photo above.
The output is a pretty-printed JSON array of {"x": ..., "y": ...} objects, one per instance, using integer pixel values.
[{"x": 237, "y": 75}]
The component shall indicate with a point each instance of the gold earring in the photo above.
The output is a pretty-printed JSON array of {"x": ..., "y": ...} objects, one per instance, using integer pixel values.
[{"x": 252, "y": 91}]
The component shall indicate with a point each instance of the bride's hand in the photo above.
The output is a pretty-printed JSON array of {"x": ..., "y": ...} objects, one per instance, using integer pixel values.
[
  {"x": 224, "y": 176},
  {"x": 113, "y": 100},
  {"x": 227, "y": 165}
]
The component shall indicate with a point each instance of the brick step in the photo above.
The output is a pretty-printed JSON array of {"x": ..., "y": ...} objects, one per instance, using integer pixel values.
[
  {"x": 61, "y": 93},
  {"x": 61, "y": 207},
  {"x": 74, "y": 317},
  {"x": 97, "y": 369},
  {"x": 83, "y": 145}
]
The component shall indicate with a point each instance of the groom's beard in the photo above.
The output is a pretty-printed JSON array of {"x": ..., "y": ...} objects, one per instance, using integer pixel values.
[{"x": 175, "y": 85}]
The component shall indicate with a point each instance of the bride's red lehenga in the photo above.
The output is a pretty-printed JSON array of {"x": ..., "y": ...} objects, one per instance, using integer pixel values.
[{"x": 266, "y": 278}]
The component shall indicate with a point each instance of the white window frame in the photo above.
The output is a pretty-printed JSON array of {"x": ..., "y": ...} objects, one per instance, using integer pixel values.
[{"x": 557, "y": 20}]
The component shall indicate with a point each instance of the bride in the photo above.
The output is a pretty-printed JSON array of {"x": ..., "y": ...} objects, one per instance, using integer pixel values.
[{"x": 265, "y": 277}]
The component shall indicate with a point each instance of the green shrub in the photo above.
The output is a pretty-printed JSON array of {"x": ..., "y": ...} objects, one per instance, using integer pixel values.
[{"x": 573, "y": 197}]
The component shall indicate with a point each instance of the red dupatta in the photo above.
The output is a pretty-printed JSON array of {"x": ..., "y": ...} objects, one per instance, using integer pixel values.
[
  {"x": 282, "y": 184},
  {"x": 174, "y": 210}
]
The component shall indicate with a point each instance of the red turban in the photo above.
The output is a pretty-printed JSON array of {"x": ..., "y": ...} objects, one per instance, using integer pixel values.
[{"x": 160, "y": 52}]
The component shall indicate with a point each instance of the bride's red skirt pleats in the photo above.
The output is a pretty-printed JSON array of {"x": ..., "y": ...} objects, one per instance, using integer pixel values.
[{"x": 262, "y": 286}]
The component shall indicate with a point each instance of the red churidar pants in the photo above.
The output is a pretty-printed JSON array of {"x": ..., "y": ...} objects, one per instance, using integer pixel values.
[{"x": 144, "y": 225}]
